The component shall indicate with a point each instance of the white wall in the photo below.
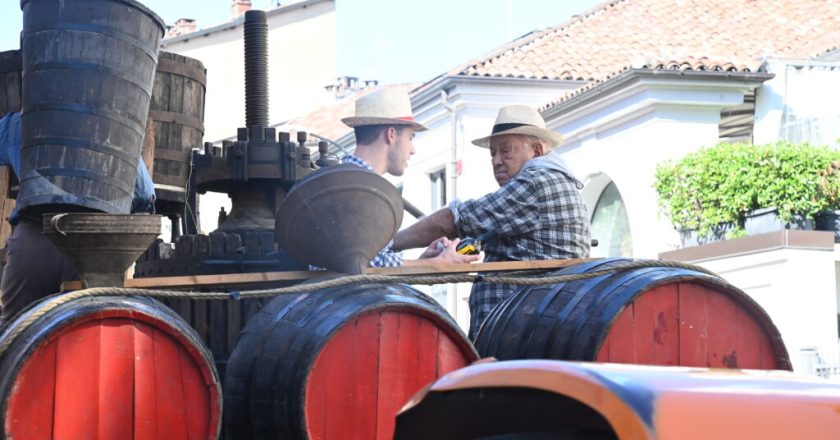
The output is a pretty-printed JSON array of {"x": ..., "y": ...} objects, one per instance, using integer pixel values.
[
  {"x": 799, "y": 103},
  {"x": 302, "y": 60},
  {"x": 629, "y": 133}
]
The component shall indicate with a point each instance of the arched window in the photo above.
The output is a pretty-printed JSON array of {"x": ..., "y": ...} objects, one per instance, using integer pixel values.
[{"x": 610, "y": 225}]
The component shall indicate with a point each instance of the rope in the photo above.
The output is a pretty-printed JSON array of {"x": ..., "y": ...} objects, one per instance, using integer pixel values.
[{"x": 47, "y": 306}]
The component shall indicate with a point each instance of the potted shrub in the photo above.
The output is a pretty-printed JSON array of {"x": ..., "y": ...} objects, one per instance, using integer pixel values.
[{"x": 730, "y": 190}]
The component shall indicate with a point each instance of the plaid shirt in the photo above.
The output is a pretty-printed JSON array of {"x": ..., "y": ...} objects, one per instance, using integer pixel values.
[
  {"x": 537, "y": 215},
  {"x": 386, "y": 257}
]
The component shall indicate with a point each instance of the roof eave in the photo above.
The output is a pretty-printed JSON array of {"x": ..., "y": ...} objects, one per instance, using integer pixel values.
[
  {"x": 431, "y": 90},
  {"x": 633, "y": 74}
]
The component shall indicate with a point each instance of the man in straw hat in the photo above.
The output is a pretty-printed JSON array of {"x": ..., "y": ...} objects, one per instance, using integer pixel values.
[
  {"x": 537, "y": 213},
  {"x": 384, "y": 126}
]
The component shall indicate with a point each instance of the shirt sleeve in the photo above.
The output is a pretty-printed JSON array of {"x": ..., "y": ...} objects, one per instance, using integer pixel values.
[
  {"x": 387, "y": 257},
  {"x": 10, "y": 141},
  {"x": 513, "y": 209},
  {"x": 144, "y": 190}
]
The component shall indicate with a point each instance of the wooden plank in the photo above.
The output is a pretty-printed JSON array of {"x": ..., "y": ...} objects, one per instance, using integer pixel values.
[
  {"x": 145, "y": 411},
  {"x": 693, "y": 341},
  {"x": 31, "y": 400},
  {"x": 234, "y": 323},
  {"x": 77, "y": 382},
  {"x": 748, "y": 341},
  {"x": 148, "y": 151},
  {"x": 5, "y": 181},
  {"x": 666, "y": 331},
  {"x": 250, "y": 279},
  {"x": 723, "y": 331},
  {"x": 197, "y": 404},
  {"x": 450, "y": 355},
  {"x": 348, "y": 365},
  {"x": 389, "y": 371},
  {"x": 169, "y": 390},
  {"x": 116, "y": 394},
  {"x": 622, "y": 338},
  {"x": 498, "y": 266}
]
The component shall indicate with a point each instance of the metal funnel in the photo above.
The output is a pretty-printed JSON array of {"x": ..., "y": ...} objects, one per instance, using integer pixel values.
[
  {"x": 339, "y": 218},
  {"x": 101, "y": 246}
]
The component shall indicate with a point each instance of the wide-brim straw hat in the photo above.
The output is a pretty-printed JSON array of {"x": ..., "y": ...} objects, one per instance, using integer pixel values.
[
  {"x": 521, "y": 119},
  {"x": 384, "y": 107}
]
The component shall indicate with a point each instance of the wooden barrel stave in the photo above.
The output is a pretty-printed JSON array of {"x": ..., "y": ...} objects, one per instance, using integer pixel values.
[
  {"x": 585, "y": 320},
  {"x": 10, "y": 64},
  {"x": 291, "y": 368},
  {"x": 115, "y": 368},
  {"x": 177, "y": 109}
]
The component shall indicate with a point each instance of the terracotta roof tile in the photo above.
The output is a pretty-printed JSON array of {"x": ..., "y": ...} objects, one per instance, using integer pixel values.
[
  {"x": 684, "y": 34},
  {"x": 686, "y": 64}
]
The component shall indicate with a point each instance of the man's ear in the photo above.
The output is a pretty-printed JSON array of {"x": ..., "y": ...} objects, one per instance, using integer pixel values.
[
  {"x": 538, "y": 148},
  {"x": 390, "y": 134}
]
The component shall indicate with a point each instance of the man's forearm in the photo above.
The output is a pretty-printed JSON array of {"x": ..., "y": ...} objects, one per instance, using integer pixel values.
[{"x": 438, "y": 224}]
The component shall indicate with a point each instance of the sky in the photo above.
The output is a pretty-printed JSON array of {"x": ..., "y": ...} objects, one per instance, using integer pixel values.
[{"x": 393, "y": 41}]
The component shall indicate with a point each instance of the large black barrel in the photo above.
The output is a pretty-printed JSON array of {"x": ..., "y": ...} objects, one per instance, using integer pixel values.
[
  {"x": 9, "y": 82},
  {"x": 654, "y": 316},
  {"x": 337, "y": 363},
  {"x": 177, "y": 108},
  {"x": 88, "y": 69},
  {"x": 107, "y": 368}
]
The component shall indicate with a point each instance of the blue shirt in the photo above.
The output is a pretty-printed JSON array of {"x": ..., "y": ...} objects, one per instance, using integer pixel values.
[{"x": 144, "y": 188}]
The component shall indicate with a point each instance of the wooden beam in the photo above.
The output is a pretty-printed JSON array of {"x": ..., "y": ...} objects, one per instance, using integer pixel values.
[{"x": 256, "y": 280}]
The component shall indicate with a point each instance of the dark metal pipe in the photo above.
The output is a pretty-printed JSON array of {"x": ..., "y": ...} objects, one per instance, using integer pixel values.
[
  {"x": 411, "y": 209},
  {"x": 256, "y": 69}
]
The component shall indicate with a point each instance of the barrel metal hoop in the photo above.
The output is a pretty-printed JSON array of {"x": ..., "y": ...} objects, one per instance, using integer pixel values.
[
  {"x": 75, "y": 67},
  {"x": 126, "y": 120},
  {"x": 128, "y": 189},
  {"x": 177, "y": 118},
  {"x": 173, "y": 155},
  {"x": 85, "y": 145},
  {"x": 100, "y": 31}
]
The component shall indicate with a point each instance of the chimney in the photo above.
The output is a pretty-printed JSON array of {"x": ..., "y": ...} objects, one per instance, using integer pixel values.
[
  {"x": 182, "y": 26},
  {"x": 238, "y": 8},
  {"x": 347, "y": 85}
]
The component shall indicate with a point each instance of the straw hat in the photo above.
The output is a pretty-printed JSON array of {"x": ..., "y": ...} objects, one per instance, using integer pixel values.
[
  {"x": 384, "y": 107},
  {"x": 521, "y": 119}
]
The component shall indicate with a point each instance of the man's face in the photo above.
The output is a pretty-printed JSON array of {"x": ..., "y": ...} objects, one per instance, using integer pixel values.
[
  {"x": 400, "y": 151},
  {"x": 509, "y": 152}
]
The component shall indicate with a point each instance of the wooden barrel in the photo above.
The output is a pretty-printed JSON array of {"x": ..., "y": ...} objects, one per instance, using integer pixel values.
[
  {"x": 87, "y": 80},
  {"x": 338, "y": 363},
  {"x": 108, "y": 368},
  {"x": 652, "y": 316},
  {"x": 177, "y": 109},
  {"x": 9, "y": 82}
]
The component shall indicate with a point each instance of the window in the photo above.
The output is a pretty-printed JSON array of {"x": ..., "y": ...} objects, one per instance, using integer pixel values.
[
  {"x": 610, "y": 225},
  {"x": 438, "y": 181}
]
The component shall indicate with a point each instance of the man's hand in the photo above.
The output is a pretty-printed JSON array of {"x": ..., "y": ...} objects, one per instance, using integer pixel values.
[
  {"x": 449, "y": 254},
  {"x": 435, "y": 248}
]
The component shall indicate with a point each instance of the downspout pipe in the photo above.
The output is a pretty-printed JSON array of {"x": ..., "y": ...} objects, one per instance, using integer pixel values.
[{"x": 452, "y": 168}]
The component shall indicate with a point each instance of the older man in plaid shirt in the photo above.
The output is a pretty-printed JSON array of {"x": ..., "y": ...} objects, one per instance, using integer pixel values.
[{"x": 537, "y": 213}]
